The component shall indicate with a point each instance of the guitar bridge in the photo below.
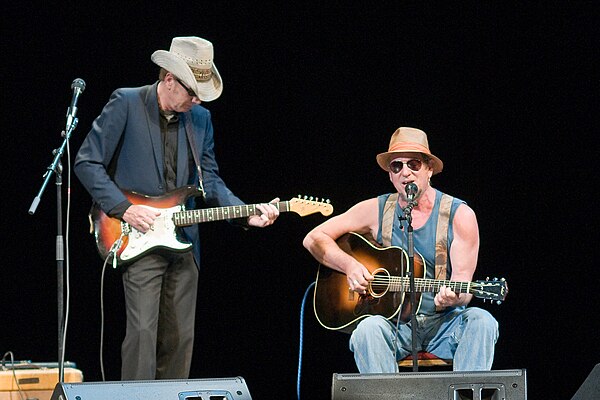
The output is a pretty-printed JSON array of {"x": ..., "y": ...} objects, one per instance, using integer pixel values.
[{"x": 350, "y": 294}]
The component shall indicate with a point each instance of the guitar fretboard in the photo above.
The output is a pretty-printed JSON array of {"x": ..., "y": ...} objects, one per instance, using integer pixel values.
[
  {"x": 189, "y": 217},
  {"x": 402, "y": 284}
]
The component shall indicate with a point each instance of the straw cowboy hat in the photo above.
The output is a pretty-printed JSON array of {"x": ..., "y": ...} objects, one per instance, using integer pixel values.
[
  {"x": 409, "y": 140},
  {"x": 191, "y": 60}
]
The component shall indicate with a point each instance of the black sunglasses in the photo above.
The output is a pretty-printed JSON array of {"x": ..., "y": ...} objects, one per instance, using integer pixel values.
[
  {"x": 188, "y": 90},
  {"x": 397, "y": 165}
]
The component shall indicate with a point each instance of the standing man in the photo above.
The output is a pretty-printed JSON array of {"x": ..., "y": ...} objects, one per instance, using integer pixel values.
[
  {"x": 446, "y": 326},
  {"x": 152, "y": 140}
]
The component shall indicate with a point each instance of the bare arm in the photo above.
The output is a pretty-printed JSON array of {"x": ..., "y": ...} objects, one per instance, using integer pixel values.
[
  {"x": 463, "y": 255},
  {"x": 321, "y": 242}
]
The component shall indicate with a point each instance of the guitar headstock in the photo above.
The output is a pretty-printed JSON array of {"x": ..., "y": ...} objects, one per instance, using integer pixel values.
[
  {"x": 309, "y": 205},
  {"x": 494, "y": 289}
]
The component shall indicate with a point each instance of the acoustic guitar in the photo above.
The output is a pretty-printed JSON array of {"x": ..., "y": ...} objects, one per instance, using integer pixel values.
[{"x": 337, "y": 307}]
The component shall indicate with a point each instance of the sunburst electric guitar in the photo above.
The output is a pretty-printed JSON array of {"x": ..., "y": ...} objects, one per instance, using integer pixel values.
[
  {"x": 339, "y": 308},
  {"x": 126, "y": 244}
]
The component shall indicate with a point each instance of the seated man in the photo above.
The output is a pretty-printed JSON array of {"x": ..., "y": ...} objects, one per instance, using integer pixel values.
[{"x": 446, "y": 326}]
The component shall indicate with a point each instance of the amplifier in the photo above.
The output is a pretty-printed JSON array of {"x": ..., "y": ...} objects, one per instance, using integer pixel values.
[{"x": 34, "y": 383}]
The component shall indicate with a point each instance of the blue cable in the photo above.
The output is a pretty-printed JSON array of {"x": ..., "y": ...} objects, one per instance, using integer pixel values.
[{"x": 301, "y": 336}]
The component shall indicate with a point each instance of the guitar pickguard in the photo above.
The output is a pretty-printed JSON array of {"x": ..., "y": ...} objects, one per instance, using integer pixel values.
[{"x": 161, "y": 234}]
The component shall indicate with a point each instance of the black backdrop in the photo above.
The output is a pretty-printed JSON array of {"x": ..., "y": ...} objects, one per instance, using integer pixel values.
[{"x": 312, "y": 92}]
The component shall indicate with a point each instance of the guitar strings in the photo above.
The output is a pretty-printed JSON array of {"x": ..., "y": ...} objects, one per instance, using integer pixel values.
[{"x": 401, "y": 281}]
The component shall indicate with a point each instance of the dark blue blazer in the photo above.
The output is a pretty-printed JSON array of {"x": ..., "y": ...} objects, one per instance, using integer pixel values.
[{"x": 124, "y": 150}]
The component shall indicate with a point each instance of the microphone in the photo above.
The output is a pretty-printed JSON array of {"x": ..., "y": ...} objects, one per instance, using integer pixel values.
[
  {"x": 411, "y": 191},
  {"x": 78, "y": 87}
]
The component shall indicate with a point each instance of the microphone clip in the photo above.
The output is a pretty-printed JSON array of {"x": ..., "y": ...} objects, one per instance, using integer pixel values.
[
  {"x": 411, "y": 192},
  {"x": 407, "y": 211}
]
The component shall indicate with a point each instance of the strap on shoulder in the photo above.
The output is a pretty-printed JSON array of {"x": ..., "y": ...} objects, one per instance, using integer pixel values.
[
  {"x": 441, "y": 238},
  {"x": 387, "y": 220},
  {"x": 192, "y": 141}
]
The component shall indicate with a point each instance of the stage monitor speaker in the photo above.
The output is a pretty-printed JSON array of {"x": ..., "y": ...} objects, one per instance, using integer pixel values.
[
  {"x": 590, "y": 388},
  {"x": 472, "y": 385},
  {"x": 175, "y": 389}
]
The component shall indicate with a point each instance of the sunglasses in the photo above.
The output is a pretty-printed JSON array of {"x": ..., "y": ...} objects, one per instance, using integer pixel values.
[
  {"x": 187, "y": 89},
  {"x": 397, "y": 165}
]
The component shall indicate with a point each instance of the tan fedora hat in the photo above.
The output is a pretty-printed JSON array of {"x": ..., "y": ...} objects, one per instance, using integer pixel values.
[
  {"x": 409, "y": 140},
  {"x": 190, "y": 59}
]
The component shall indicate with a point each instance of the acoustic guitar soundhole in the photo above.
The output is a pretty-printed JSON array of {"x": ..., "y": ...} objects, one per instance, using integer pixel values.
[{"x": 381, "y": 284}]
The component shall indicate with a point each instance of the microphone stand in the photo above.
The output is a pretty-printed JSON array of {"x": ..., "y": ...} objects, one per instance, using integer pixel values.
[
  {"x": 56, "y": 168},
  {"x": 407, "y": 216}
]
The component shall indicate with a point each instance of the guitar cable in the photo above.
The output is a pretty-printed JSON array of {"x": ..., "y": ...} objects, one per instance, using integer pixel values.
[
  {"x": 301, "y": 338},
  {"x": 397, "y": 328},
  {"x": 113, "y": 250},
  {"x": 14, "y": 374}
]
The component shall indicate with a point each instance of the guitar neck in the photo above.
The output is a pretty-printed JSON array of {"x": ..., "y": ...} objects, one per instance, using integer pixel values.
[
  {"x": 189, "y": 217},
  {"x": 402, "y": 284}
]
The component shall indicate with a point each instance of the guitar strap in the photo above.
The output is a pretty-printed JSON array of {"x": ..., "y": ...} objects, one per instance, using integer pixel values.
[
  {"x": 441, "y": 238},
  {"x": 441, "y": 235},
  {"x": 387, "y": 220},
  {"x": 192, "y": 140}
]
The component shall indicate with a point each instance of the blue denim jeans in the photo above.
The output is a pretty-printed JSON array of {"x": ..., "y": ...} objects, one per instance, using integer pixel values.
[{"x": 467, "y": 335}]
